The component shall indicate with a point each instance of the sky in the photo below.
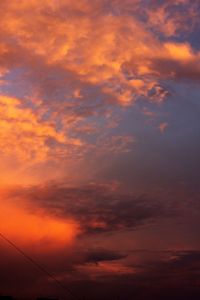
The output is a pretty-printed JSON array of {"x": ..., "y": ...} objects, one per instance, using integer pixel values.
[{"x": 99, "y": 148}]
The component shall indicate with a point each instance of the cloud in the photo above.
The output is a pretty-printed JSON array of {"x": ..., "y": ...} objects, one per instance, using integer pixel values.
[
  {"x": 23, "y": 128},
  {"x": 162, "y": 127},
  {"x": 173, "y": 18},
  {"x": 99, "y": 255},
  {"x": 97, "y": 208},
  {"x": 179, "y": 63},
  {"x": 173, "y": 270},
  {"x": 69, "y": 67},
  {"x": 171, "y": 274},
  {"x": 74, "y": 78},
  {"x": 115, "y": 57}
]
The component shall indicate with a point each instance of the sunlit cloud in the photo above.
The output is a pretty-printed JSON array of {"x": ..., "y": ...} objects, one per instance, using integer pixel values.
[
  {"x": 77, "y": 74},
  {"x": 22, "y": 134}
]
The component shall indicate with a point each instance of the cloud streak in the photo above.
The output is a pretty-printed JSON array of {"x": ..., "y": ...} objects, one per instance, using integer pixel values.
[{"x": 97, "y": 208}]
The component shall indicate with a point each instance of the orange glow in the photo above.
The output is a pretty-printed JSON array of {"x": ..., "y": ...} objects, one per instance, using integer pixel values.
[
  {"x": 34, "y": 228},
  {"x": 180, "y": 52}
]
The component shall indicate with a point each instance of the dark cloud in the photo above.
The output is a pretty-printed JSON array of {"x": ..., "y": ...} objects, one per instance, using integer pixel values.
[
  {"x": 170, "y": 68},
  {"x": 99, "y": 255},
  {"x": 175, "y": 276},
  {"x": 97, "y": 208},
  {"x": 170, "y": 275},
  {"x": 155, "y": 274}
]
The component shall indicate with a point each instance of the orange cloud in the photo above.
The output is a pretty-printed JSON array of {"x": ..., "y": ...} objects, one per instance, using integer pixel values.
[
  {"x": 24, "y": 135},
  {"x": 100, "y": 47},
  {"x": 81, "y": 58},
  {"x": 163, "y": 126},
  {"x": 82, "y": 38}
]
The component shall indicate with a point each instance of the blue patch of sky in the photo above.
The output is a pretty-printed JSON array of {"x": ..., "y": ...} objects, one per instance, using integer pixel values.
[
  {"x": 16, "y": 85},
  {"x": 162, "y": 158}
]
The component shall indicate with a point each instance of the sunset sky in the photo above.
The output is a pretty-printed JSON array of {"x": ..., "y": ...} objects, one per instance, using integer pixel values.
[{"x": 100, "y": 148}]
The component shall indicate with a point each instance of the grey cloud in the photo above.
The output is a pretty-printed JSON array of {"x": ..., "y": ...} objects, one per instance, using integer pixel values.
[
  {"x": 98, "y": 255},
  {"x": 97, "y": 208}
]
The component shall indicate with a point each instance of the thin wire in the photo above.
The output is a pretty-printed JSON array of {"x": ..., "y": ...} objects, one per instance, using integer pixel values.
[{"x": 36, "y": 264}]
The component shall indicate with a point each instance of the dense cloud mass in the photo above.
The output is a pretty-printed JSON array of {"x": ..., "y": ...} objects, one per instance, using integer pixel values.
[
  {"x": 96, "y": 207},
  {"x": 99, "y": 149}
]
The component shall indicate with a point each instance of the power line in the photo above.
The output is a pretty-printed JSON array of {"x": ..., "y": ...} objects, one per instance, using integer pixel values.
[{"x": 41, "y": 268}]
